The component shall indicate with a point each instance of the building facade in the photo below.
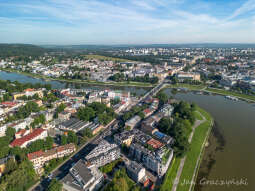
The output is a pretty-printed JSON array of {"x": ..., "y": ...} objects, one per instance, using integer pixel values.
[{"x": 103, "y": 154}]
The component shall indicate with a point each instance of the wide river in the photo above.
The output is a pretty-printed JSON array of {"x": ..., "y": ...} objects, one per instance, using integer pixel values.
[{"x": 229, "y": 160}]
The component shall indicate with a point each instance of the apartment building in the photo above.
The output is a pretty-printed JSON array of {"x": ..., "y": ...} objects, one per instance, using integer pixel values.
[
  {"x": 103, "y": 154},
  {"x": 133, "y": 121},
  {"x": 156, "y": 160},
  {"x": 2, "y": 130},
  {"x": 73, "y": 124},
  {"x": 136, "y": 171},
  {"x": 39, "y": 158},
  {"x": 29, "y": 138},
  {"x": 188, "y": 76},
  {"x": 125, "y": 137},
  {"x": 82, "y": 177},
  {"x": 28, "y": 92}
]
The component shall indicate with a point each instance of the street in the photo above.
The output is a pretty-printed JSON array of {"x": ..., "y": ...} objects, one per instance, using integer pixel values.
[{"x": 63, "y": 170}]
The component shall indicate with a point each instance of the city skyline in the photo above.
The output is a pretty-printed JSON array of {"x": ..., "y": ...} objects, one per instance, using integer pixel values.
[{"x": 127, "y": 22}]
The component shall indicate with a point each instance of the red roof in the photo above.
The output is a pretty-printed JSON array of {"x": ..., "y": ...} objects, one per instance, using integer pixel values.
[
  {"x": 147, "y": 110},
  {"x": 21, "y": 141},
  {"x": 155, "y": 143},
  {"x": 8, "y": 103},
  {"x": 29, "y": 90},
  {"x": 22, "y": 131},
  {"x": 34, "y": 155}
]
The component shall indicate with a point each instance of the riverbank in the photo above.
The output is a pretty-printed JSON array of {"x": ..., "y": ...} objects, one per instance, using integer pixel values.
[
  {"x": 188, "y": 86},
  {"x": 241, "y": 96},
  {"x": 204, "y": 88},
  {"x": 46, "y": 78},
  {"x": 195, "y": 154},
  {"x": 193, "y": 157}
]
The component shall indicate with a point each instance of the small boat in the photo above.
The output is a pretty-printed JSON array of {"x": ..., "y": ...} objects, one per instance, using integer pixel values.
[{"x": 232, "y": 98}]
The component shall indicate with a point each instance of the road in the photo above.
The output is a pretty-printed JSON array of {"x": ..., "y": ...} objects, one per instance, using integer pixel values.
[
  {"x": 153, "y": 91},
  {"x": 61, "y": 171}
]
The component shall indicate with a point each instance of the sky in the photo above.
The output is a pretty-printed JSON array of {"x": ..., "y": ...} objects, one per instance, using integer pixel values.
[{"x": 66, "y": 22}]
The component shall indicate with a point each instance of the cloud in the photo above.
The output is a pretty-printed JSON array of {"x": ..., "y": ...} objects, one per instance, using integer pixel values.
[
  {"x": 246, "y": 7},
  {"x": 143, "y": 5},
  {"x": 111, "y": 21}
]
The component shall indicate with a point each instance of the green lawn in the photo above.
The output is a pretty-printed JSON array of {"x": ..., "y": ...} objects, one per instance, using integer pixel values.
[
  {"x": 106, "y": 58},
  {"x": 197, "y": 144},
  {"x": 225, "y": 92},
  {"x": 189, "y": 86},
  {"x": 198, "y": 116},
  {"x": 170, "y": 175}
]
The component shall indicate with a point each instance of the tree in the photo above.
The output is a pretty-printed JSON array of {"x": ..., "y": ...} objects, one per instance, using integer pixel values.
[
  {"x": 19, "y": 179},
  {"x": 104, "y": 118},
  {"x": 72, "y": 137},
  {"x": 48, "y": 144},
  {"x": 87, "y": 132},
  {"x": 86, "y": 113},
  {"x": 163, "y": 98},
  {"x": 141, "y": 114},
  {"x": 55, "y": 185},
  {"x": 10, "y": 166},
  {"x": 4, "y": 151},
  {"x": 10, "y": 132},
  {"x": 59, "y": 109},
  {"x": 20, "y": 154},
  {"x": 63, "y": 140},
  {"x": 164, "y": 125}
]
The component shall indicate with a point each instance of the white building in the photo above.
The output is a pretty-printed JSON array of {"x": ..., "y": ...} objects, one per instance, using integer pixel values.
[
  {"x": 2, "y": 130},
  {"x": 82, "y": 177}
]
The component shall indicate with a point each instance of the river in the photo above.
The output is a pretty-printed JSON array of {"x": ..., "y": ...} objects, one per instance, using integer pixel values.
[
  {"x": 58, "y": 84},
  {"x": 230, "y": 155}
]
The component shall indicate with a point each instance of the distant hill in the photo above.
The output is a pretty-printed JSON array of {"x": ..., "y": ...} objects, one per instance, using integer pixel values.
[
  {"x": 80, "y": 47},
  {"x": 21, "y": 50},
  {"x": 120, "y": 46}
]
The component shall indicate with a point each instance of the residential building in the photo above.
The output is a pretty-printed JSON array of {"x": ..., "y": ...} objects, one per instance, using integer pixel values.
[
  {"x": 82, "y": 177},
  {"x": 181, "y": 76},
  {"x": 103, "y": 154},
  {"x": 166, "y": 139},
  {"x": 39, "y": 158},
  {"x": 28, "y": 92},
  {"x": 167, "y": 110},
  {"x": 31, "y": 137},
  {"x": 156, "y": 161},
  {"x": 73, "y": 124},
  {"x": 125, "y": 137},
  {"x": 133, "y": 121},
  {"x": 136, "y": 171},
  {"x": 95, "y": 128},
  {"x": 64, "y": 115},
  {"x": 2, "y": 130}
]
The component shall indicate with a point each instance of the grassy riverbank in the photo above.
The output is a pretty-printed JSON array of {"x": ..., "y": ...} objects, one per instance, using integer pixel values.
[
  {"x": 188, "y": 86},
  {"x": 213, "y": 90},
  {"x": 194, "y": 156},
  {"x": 231, "y": 93},
  {"x": 134, "y": 84},
  {"x": 170, "y": 175}
]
